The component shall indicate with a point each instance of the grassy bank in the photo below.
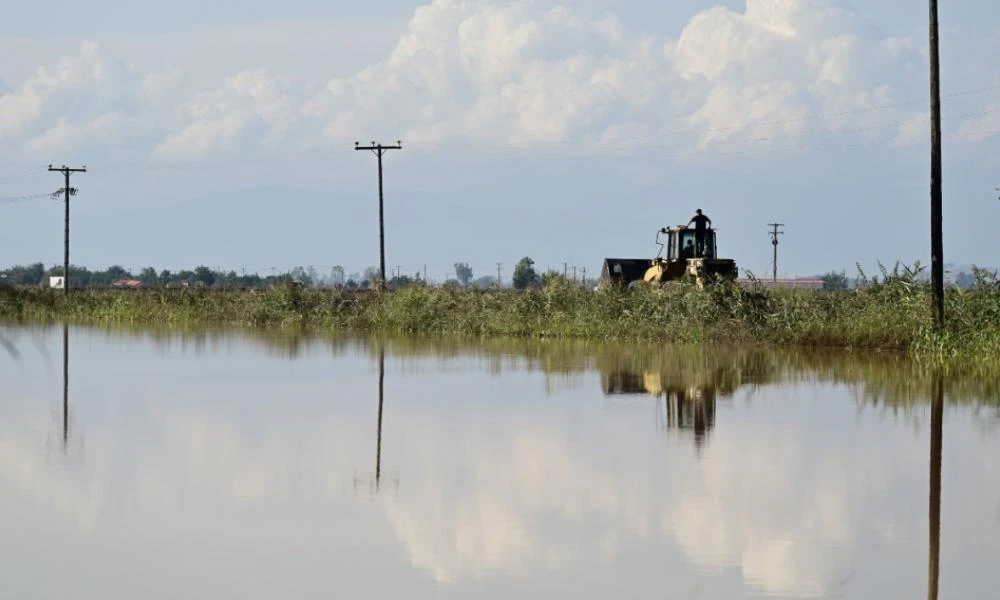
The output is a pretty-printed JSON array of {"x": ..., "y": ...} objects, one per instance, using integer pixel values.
[{"x": 888, "y": 314}]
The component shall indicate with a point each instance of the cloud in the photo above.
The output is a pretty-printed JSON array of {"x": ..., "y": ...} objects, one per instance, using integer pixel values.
[
  {"x": 513, "y": 73},
  {"x": 85, "y": 99},
  {"x": 253, "y": 107}
]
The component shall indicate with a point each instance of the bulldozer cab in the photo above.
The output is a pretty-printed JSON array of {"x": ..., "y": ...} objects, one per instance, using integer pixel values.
[{"x": 682, "y": 243}]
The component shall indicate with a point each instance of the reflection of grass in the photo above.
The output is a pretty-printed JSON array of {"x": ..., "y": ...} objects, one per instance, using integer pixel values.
[
  {"x": 879, "y": 378},
  {"x": 892, "y": 314}
]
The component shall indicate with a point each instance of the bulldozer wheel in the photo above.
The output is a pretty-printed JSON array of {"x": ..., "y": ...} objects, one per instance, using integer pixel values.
[{"x": 634, "y": 284}]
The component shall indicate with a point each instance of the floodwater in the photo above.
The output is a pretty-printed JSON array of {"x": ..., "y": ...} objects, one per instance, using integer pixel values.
[{"x": 140, "y": 465}]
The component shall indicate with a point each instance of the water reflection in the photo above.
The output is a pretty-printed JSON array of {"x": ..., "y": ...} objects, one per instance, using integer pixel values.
[
  {"x": 811, "y": 482},
  {"x": 375, "y": 485},
  {"x": 685, "y": 406},
  {"x": 65, "y": 332},
  {"x": 884, "y": 380},
  {"x": 934, "y": 509},
  {"x": 381, "y": 397}
]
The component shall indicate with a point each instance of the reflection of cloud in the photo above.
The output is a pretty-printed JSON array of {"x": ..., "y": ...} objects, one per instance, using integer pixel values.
[
  {"x": 784, "y": 505},
  {"x": 515, "y": 502},
  {"x": 186, "y": 471},
  {"x": 790, "y": 495},
  {"x": 24, "y": 471}
]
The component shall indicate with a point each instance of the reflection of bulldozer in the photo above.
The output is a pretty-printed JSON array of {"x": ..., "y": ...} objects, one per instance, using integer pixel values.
[
  {"x": 686, "y": 407},
  {"x": 687, "y": 258}
]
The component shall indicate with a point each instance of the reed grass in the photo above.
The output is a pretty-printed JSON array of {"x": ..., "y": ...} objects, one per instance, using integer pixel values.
[{"x": 892, "y": 313}]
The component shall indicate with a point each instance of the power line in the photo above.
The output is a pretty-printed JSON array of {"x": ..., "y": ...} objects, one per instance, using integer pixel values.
[
  {"x": 15, "y": 199},
  {"x": 378, "y": 150}
]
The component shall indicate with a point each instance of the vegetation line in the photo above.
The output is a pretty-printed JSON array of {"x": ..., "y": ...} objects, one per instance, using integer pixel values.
[{"x": 888, "y": 313}]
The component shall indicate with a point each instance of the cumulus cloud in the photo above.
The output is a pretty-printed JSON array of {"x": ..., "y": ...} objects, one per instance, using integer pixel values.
[
  {"x": 252, "y": 107},
  {"x": 510, "y": 73},
  {"x": 84, "y": 99}
]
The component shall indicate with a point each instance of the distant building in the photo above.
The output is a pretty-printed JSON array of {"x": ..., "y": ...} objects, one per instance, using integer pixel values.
[
  {"x": 57, "y": 282},
  {"x": 805, "y": 283},
  {"x": 127, "y": 283}
]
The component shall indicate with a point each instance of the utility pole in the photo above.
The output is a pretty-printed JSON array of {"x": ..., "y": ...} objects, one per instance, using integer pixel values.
[
  {"x": 774, "y": 233},
  {"x": 565, "y": 270},
  {"x": 68, "y": 191},
  {"x": 937, "y": 245},
  {"x": 379, "y": 150},
  {"x": 425, "y": 273},
  {"x": 574, "y": 274},
  {"x": 584, "y": 277},
  {"x": 499, "y": 280}
]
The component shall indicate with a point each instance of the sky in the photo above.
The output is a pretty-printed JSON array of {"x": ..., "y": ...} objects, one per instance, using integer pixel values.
[{"x": 223, "y": 134}]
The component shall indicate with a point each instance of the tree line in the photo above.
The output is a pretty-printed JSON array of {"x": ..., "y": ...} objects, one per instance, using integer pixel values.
[{"x": 524, "y": 276}]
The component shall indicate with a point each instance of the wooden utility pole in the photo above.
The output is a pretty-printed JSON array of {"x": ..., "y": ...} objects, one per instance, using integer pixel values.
[
  {"x": 937, "y": 244},
  {"x": 774, "y": 233},
  {"x": 379, "y": 150},
  {"x": 67, "y": 192}
]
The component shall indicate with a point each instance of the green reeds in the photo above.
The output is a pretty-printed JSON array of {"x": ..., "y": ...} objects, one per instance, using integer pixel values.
[{"x": 891, "y": 313}]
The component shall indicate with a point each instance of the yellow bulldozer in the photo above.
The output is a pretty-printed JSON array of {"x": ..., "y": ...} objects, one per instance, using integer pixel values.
[{"x": 687, "y": 259}]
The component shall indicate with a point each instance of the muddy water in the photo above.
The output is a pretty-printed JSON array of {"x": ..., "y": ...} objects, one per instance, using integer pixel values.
[{"x": 218, "y": 466}]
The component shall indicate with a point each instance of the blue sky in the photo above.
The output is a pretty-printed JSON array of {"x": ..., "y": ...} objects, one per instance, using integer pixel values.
[{"x": 223, "y": 134}]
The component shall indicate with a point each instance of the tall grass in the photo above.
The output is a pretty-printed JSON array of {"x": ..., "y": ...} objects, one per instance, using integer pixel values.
[{"x": 888, "y": 313}]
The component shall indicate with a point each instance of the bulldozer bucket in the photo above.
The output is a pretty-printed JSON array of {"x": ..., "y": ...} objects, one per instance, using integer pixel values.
[{"x": 622, "y": 271}]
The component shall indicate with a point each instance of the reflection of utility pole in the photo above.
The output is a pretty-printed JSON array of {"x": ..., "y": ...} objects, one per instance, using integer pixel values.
[
  {"x": 65, "y": 386},
  {"x": 378, "y": 150},
  {"x": 934, "y": 511},
  {"x": 68, "y": 191},
  {"x": 774, "y": 233},
  {"x": 378, "y": 447}
]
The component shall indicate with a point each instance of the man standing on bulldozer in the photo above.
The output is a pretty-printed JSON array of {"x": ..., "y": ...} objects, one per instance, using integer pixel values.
[{"x": 700, "y": 227}]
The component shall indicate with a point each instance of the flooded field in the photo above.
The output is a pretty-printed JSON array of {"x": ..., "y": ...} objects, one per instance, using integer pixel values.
[{"x": 140, "y": 465}]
